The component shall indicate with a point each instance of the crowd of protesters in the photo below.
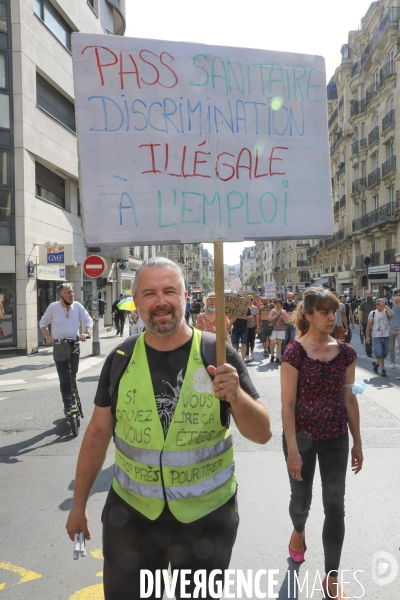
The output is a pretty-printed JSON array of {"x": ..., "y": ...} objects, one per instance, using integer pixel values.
[{"x": 271, "y": 321}]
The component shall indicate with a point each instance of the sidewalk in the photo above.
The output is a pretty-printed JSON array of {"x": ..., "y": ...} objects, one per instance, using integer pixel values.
[
  {"x": 376, "y": 384},
  {"x": 39, "y": 371}
]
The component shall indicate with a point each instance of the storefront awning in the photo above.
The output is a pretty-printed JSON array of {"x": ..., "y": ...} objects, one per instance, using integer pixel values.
[{"x": 321, "y": 281}]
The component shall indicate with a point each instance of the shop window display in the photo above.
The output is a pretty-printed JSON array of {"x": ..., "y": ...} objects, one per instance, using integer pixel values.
[{"x": 6, "y": 310}]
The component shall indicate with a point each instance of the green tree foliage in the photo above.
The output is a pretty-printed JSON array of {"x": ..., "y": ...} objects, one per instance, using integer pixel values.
[
  {"x": 251, "y": 281},
  {"x": 208, "y": 283}
]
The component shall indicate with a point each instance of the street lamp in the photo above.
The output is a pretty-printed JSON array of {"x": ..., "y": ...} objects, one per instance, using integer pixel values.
[{"x": 367, "y": 262}]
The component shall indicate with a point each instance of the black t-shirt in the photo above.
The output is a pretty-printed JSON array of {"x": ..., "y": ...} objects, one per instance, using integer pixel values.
[
  {"x": 241, "y": 323},
  {"x": 196, "y": 308},
  {"x": 167, "y": 369},
  {"x": 289, "y": 306},
  {"x": 116, "y": 310}
]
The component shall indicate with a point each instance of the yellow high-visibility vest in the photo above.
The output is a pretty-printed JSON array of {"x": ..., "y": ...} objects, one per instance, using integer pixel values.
[{"x": 192, "y": 468}]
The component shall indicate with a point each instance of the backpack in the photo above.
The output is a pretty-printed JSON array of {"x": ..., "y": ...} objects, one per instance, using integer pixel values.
[
  {"x": 124, "y": 353},
  {"x": 373, "y": 317}
]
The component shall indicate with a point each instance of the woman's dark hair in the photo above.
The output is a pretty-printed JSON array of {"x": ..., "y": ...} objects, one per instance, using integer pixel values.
[{"x": 315, "y": 298}]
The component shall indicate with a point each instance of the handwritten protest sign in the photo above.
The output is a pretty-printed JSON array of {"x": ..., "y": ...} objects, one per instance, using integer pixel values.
[
  {"x": 234, "y": 285},
  {"x": 181, "y": 142},
  {"x": 236, "y": 307},
  {"x": 270, "y": 291}
]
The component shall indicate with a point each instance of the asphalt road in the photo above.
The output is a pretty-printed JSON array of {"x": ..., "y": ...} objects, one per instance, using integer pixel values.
[{"x": 37, "y": 466}]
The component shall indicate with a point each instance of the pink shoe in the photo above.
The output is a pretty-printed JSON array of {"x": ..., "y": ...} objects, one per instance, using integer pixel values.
[{"x": 297, "y": 557}]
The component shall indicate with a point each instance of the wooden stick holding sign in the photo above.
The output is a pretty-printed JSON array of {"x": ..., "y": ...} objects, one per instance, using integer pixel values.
[
  {"x": 220, "y": 302},
  {"x": 220, "y": 318}
]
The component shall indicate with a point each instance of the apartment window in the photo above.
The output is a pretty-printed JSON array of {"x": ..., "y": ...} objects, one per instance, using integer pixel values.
[
  {"x": 2, "y": 71},
  {"x": 3, "y": 15},
  {"x": 50, "y": 186},
  {"x": 390, "y": 196},
  {"x": 5, "y": 218},
  {"x": 4, "y": 168},
  {"x": 375, "y": 202},
  {"x": 7, "y": 309},
  {"x": 94, "y": 5},
  {"x": 54, "y": 21},
  {"x": 54, "y": 103},
  {"x": 78, "y": 201},
  {"x": 4, "y": 111}
]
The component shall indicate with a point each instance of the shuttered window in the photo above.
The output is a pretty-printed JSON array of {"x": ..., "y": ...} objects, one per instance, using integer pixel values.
[
  {"x": 54, "y": 103},
  {"x": 49, "y": 186}
]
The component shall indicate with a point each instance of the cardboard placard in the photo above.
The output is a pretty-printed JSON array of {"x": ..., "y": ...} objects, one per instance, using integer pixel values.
[
  {"x": 182, "y": 142},
  {"x": 236, "y": 307}
]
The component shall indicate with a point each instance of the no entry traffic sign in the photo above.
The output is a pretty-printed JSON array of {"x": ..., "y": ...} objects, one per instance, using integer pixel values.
[{"x": 94, "y": 266}]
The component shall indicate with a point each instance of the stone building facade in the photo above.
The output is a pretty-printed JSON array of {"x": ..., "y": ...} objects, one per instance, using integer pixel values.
[
  {"x": 363, "y": 101},
  {"x": 39, "y": 178}
]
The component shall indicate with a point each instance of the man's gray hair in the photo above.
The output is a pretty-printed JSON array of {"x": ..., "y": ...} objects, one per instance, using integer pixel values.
[
  {"x": 160, "y": 262},
  {"x": 62, "y": 286}
]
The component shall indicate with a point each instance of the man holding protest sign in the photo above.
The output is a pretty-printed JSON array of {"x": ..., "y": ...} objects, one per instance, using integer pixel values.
[{"x": 174, "y": 488}]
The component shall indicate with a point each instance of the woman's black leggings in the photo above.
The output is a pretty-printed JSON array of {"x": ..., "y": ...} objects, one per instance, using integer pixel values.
[
  {"x": 251, "y": 338},
  {"x": 332, "y": 458}
]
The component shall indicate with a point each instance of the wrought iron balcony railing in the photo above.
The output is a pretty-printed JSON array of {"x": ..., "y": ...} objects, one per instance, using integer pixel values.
[
  {"x": 336, "y": 208},
  {"x": 333, "y": 117},
  {"x": 375, "y": 259},
  {"x": 337, "y": 237},
  {"x": 302, "y": 263},
  {"x": 384, "y": 213},
  {"x": 374, "y": 177},
  {"x": 363, "y": 143},
  {"x": 387, "y": 71},
  {"x": 373, "y": 135},
  {"x": 388, "y": 256},
  {"x": 389, "y": 166},
  {"x": 343, "y": 201},
  {"x": 388, "y": 120},
  {"x": 367, "y": 51},
  {"x": 358, "y": 185},
  {"x": 354, "y": 148},
  {"x": 371, "y": 91}
]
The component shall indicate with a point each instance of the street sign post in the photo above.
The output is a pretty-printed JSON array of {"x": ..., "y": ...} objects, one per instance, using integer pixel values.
[
  {"x": 395, "y": 267},
  {"x": 94, "y": 266}
]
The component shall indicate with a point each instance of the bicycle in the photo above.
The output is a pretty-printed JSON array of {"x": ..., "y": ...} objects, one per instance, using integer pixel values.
[{"x": 67, "y": 346}]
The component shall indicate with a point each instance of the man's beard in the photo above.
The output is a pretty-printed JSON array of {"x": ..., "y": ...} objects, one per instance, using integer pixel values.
[{"x": 172, "y": 324}]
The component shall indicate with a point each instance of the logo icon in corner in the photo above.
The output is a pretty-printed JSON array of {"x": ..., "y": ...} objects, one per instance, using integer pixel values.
[{"x": 384, "y": 568}]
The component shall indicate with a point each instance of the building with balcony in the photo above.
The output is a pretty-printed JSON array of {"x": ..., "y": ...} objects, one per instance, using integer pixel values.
[
  {"x": 364, "y": 143},
  {"x": 264, "y": 264},
  {"x": 247, "y": 263},
  {"x": 289, "y": 266}
]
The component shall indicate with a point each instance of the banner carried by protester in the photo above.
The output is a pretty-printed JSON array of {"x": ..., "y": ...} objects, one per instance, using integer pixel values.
[
  {"x": 269, "y": 288},
  {"x": 234, "y": 285},
  {"x": 236, "y": 307},
  {"x": 183, "y": 142}
]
